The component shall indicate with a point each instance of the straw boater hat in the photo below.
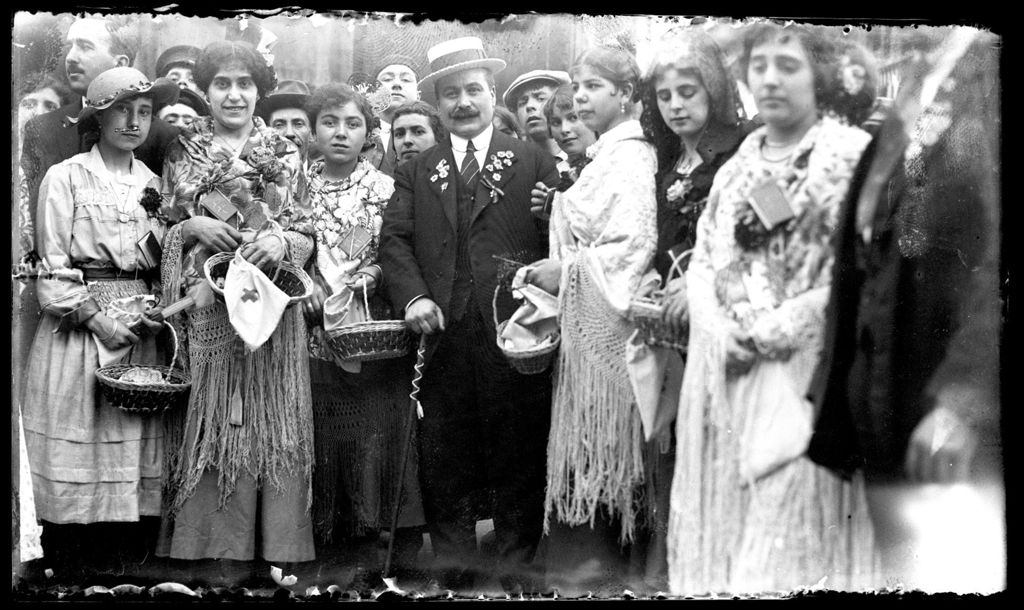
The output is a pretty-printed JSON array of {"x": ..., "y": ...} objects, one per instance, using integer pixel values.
[
  {"x": 119, "y": 83},
  {"x": 289, "y": 94},
  {"x": 555, "y": 78},
  {"x": 456, "y": 55}
]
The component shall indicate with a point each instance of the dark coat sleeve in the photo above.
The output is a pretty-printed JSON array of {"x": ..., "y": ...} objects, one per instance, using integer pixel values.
[
  {"x": 403, "y": 279},
  {"x": 32, "y": 163}
]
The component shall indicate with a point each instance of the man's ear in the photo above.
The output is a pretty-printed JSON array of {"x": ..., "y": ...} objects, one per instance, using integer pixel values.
[{"x": 122, "y": 61}]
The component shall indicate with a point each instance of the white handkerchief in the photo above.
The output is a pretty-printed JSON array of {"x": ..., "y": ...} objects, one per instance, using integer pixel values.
[{"x": 255, "y": 305}]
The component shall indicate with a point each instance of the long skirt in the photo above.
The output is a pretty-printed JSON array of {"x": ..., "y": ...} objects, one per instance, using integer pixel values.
[
  {"x": 360, "y": 424},
  {"x": 90, "y": 461},
  {"x": 241, "y": 479},
  {"x": 795, "y": 526}
]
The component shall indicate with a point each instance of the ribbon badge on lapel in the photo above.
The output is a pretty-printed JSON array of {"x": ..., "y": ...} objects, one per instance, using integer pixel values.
[
  {"x": 441, "y": 171},
  {"x": 498, "y": 162}
]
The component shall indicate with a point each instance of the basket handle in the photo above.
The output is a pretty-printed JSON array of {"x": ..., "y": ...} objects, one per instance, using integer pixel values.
[
  {"x": 675, "y": 270},
  {"x": 366, "y": 300},
  {"x": 494, "y": 305},
  {"x": 287, "y": 255},
  {"x": 174, "y": 355}
]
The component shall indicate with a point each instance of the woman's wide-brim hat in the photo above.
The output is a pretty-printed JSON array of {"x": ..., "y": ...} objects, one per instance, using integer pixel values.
[
  {"x": 121, "y": 83},
  {"x": 456, "y": 55}
]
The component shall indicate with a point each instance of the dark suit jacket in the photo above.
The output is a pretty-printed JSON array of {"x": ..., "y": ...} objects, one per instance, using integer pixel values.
[
  {"x": 917, "y": 310},
  {"x": 418, "y": 237},
  {"x": 50, "y": 138}
]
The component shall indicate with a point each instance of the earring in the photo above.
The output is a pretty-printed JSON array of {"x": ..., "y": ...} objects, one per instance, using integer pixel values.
[{"x": 622, "y": 106}]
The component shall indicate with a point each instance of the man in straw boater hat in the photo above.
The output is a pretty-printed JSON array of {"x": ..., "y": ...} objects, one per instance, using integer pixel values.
[
  {"x": 458, "y": 224},
  {"x": 526, "y": 97}
]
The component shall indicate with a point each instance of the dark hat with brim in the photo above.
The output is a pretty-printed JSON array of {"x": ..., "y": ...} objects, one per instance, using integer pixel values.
[
  {"x": 191, "y": 99},
  {"x": 121, "y": 83},
  {"x": 289, "y": 94},
  {"x": 183, "y": 54}
]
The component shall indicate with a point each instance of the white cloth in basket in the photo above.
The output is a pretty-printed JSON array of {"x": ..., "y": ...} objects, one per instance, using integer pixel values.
[
  {"x": 535, "y": 323},
  {"x": 342, "y": 309},
  {"x": 127, "y": 311},
  {"x": 255, "y": 305}
]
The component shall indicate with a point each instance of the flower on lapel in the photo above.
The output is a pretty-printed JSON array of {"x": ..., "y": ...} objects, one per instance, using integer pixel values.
[
  {"x": 495, "y": 192},
  {"x": 676, "y": 191},
  {"x": 441, "y": 171},
  {"x": 499, "y": 161}
]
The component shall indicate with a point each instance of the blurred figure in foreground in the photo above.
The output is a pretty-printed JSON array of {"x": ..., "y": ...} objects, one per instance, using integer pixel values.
[{"x": 908, "y": 388}]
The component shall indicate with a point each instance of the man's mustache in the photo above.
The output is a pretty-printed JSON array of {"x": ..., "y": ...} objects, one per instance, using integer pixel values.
[{"x": 464, "y": 114}]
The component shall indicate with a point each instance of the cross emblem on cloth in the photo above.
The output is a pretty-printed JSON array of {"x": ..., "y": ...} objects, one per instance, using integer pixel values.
[
  {"x": 250, "y": 294},
  {"x": 470, "y": 166}
]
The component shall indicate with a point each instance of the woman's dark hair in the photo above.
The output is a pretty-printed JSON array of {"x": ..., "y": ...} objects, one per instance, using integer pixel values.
[
  {"x": 821, "y": 50},
  {"x": 218, "y": 55},
  {"x": 560, "y": 100},
  {"x": 38, "y": 82},
  {"x": 693, "y": 52},
  {"x": 856, "y": 106},
  {"x": 509, "y": 119},
  {"x": 425, "y": 109},
  {"x": 614, "y": 64},
  {"x": 339, "y": 94}
]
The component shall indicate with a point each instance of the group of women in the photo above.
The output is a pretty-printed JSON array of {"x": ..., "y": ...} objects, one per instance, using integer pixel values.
[
  {"x": 747, "y": 512},
  {"x": 240, "y": 473}
]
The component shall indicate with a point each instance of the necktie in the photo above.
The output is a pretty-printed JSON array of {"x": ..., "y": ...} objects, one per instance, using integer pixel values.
[{"x": 470, "y": 167}]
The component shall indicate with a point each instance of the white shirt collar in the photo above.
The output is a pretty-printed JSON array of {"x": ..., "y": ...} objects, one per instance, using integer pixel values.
[
  {"x": 139, "y": 177},
  {"x": 481, "y": 142}
]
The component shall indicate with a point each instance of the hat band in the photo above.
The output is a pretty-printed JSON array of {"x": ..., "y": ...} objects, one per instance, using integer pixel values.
[
  {"x": 456, "y": 57},
  {"x": 140, "y": 87}
]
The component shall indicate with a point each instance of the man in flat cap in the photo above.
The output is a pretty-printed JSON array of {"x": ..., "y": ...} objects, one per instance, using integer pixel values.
[
  {"x": 284, "y": 111},
  {"x": 455, "y": 231},
  {"x": 397, "y": 75},
  {"x": 181, "y": 113},
  {"x": 177, "y": 63},
  {"x": 526, "y": 96}
]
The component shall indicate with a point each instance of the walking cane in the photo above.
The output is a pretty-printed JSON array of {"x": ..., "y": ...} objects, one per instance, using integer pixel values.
[{"x": 414, "y": 409}]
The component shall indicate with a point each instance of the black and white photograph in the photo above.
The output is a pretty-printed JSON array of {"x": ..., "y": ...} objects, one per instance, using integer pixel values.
[{"x": 327, "y": 305}]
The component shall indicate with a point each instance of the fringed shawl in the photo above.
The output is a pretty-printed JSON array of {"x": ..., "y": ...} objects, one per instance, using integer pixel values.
[
  {"x": 276, "y": 434},
  {"x": 603, "y": 230}
]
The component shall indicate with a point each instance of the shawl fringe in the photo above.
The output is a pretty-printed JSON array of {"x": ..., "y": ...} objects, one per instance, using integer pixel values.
[{"x": 596, "y": 446}]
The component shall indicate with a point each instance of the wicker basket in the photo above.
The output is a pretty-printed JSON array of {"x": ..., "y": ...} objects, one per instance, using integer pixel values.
[
  {"x": 645, "y": 312},
  {"x": 289, "y": 277},
  {"x": 145, "y": 399},
  {"x": 528, "y": 361},
  {"x": 371, "y": 339}
]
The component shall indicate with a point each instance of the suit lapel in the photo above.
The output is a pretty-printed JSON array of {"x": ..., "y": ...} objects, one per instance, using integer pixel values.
[
  {"x": 70, "y": 143},
  {"x": 499, "y": 142},
  {"x": 444, "y": 188}
]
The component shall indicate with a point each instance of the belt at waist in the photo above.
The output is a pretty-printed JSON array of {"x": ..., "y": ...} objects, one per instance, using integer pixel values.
[{"x": 113, "y": 273}]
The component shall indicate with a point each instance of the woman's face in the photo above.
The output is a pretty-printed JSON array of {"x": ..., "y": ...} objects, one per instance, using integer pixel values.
[
  {"x": 782, "y": 80},
  {"x": 38, "y": 102},
  {"x": 597, "y": 100},
  {"x": 232, "y": 94},
  {"x": 683, "y": 102},
  {"x": 340, "y": 134},
  {"x": 500, "y": 124},
  {"x": 570, "y": 133},
  {"x": 125, "y": 124}
]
